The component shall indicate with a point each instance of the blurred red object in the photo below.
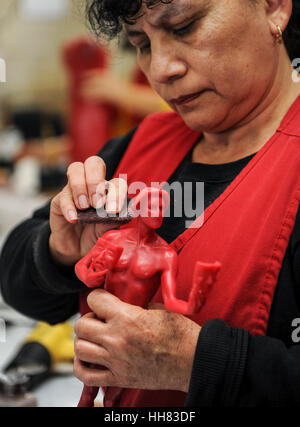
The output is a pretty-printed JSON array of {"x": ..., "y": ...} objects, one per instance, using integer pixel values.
[{"x": 89, "y": 123}]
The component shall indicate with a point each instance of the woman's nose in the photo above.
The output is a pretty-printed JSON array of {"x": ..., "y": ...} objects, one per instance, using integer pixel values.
[{"x": 166, "y": 64}]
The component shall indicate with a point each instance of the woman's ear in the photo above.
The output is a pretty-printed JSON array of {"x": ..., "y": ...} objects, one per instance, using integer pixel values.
[{"x": 278, "y": 13}]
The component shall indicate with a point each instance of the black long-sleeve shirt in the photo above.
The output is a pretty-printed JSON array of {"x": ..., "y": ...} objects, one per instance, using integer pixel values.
[{"x": 231, "y": 367}]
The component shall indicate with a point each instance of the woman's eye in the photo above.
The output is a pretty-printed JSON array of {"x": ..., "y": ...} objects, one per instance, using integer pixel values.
[
  {"x": 184, "y": 30},
  {"x": 178, "y": 32}
]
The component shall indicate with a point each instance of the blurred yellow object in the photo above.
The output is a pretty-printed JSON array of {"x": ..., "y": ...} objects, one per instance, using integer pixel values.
[
  {"x": 58, "y": 340},
  {"x": 165, "y": 106}
]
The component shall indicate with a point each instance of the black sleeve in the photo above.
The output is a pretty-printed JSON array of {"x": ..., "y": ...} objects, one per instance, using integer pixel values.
[
  {"x": 219, "y": 365},
  {"x": 235, "y": 369},
  {"x": 30, "y": 281}
]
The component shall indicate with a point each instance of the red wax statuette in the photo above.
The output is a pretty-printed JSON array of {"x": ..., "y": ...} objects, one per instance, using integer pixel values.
[{"x": 134, "y": 261}]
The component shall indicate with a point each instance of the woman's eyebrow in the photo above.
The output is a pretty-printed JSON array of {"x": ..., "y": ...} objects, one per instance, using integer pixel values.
[{"x": 169, "y": 11}]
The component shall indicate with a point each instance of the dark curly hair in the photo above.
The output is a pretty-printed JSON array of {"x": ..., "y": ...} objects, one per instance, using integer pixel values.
[{"x": 107, "y": 17}]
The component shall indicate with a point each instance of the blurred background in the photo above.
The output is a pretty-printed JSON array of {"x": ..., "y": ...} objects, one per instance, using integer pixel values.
[{"x": 65, "y": 95}]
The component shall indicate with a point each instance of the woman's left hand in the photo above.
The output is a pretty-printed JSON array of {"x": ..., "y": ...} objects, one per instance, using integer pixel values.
[{"x": 136, "y": 348}]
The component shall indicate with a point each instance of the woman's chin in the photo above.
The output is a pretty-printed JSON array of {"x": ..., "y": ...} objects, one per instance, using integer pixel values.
[
  {"x": 207, "y": 121},
  {"x": 197, "y": 123}
]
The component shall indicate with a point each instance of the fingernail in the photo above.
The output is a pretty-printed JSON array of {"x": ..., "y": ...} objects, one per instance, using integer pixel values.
[
  {"x": 72, "y": 215},
  {"x": 97, "y": 200},
  {"x": 83, "y": 201},
  {"x": 111, "y": 206}
]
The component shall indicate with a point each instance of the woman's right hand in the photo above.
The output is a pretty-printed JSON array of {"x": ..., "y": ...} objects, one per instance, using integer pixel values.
[{"x": 70, "y": 241}]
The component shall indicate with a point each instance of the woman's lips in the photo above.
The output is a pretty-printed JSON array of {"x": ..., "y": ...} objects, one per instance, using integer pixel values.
[{"x": 186, "y": 98}]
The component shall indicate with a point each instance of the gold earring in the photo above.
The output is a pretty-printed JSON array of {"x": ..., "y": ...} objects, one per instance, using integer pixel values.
[{"x": 279, "y": 36}]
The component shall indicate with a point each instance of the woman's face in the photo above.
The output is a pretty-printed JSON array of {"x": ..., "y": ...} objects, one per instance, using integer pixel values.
[{"x": 212, "y": 61}]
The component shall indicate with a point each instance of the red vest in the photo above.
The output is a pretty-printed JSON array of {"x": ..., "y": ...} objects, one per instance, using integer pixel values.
[{"x": 247, "y": 228}]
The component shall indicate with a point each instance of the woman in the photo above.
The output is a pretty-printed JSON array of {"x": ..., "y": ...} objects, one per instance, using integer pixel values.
[{"x": 225, "y": 70}]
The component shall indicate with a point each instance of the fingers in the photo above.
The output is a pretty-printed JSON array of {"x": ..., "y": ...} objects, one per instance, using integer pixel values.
[
  {"x": 83, "y": 179},
  {"x": 88, "y": 349},
  {"x": 67, "y": 205},
  {"x": 90, "y": 352},
  {"x": 91, "y": 376},
  {"x": 117, "y": 192},
  {"x": 87, "y": 187},
  {"x": 95, "y": 171},
  {"x": 90, "y": 328},
  {"x": 105, "y": 305}
]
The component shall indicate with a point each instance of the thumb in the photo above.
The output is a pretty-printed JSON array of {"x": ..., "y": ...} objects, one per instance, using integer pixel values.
[{"x": 104, "y": 304}]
